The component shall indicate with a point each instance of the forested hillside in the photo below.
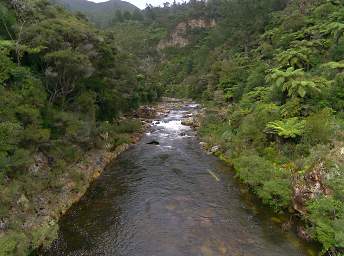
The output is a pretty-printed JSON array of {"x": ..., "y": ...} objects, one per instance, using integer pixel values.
[
  {"x": 63, "y": 87},
  {"x": 102, "y": 13},
  {"x": 270, "y": 74}
]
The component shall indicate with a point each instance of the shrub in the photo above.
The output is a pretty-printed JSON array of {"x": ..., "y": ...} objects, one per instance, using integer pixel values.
[
  {"x": 14, "y": 243},
  {"x": 336, "y": 96},
  {"x": 277, "y": 192},
  {"x": 253, "y": 169},
  {"x": 127, "y": 126},
  {"x": 337, "y": 51},
  {"x": 251, "y": 130},
  {"x": 318, "y": 127},
  {"x": 326, "y": 214},
  {"x": 271, "y": 184},
  {"x": 287, "y": 128}
]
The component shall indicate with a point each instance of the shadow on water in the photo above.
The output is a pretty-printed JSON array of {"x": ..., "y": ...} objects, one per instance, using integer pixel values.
[{"x": 171, "y": 199}]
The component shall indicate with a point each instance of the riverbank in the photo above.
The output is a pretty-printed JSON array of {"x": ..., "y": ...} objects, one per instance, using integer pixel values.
[
  {"x": 301, "y": 186},
  {"x": 165, "y": 185},
  {"x": 33, "y": 218}
]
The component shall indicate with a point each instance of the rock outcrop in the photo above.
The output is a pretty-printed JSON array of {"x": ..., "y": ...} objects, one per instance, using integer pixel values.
[{"x": 178, "y": 37}]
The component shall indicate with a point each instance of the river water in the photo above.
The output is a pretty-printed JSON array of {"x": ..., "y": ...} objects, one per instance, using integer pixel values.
[{"x": 170, "y": 199}]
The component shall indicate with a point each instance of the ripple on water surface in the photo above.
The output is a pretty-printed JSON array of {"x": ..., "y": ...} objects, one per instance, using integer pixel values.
[{"x": 169, "y": 199}]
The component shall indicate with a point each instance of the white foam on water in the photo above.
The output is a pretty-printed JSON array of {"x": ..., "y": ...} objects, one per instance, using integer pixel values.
[
  {"x": 194, "y": 105},
  {"x": 175, "y": 125}
]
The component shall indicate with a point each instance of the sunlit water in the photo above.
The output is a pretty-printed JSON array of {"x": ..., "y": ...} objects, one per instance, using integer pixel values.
[{"x": 170, "y": 199}]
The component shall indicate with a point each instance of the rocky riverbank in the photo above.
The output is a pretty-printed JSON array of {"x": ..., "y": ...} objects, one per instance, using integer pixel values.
[
  {"x": 288, "y": 189},
  {"x": 33, "y": 220}
]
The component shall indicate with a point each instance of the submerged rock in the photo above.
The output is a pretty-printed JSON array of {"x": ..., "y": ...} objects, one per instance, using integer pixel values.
[
  {"x": 214, "y": 149},
  {"x": 154, "y": 142},
  {"x": 188, "y": 121},
  {"x": 204, "y": 145}
]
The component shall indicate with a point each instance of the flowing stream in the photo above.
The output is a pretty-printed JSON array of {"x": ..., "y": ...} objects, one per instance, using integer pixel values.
[{"x": 170, "y": 199}]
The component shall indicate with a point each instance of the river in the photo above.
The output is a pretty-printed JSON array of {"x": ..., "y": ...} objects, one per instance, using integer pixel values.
[{"x": 170, "y": 199}]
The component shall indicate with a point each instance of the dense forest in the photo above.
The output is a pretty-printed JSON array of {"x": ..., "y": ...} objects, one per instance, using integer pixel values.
[
  {"x": 269, "y": 72},
  {"x": 64, "y": 85},
  {"x": 101, "y": 13}
]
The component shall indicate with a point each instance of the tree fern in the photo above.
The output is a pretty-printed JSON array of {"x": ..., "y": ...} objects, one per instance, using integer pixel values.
[
  {"x": 288, "y": 128},
  {"x": 295, "y": 57},
  {"x": 295, "y": 82}
]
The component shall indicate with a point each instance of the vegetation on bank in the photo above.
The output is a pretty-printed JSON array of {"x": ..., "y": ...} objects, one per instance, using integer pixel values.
[
  {"x": 271, "y": 73},
  {"x": 63, "y": 87}
]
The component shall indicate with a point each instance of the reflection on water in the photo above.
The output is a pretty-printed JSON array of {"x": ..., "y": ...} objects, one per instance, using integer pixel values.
[{"x": 169, "y": 199}]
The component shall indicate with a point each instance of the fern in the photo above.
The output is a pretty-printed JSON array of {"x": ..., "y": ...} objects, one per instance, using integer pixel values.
[
  {"x": 295, "y": 82},
  {"x": 295, "y": 57},
  {"x": 333, "y": 65},
  {"x": 288, "y": 128}
]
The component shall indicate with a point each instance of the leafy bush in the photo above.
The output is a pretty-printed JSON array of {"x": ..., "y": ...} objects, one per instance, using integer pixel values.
[
  {"x": 287, "y": 128},
  {"x": 272, "y": 185},
  {"x": 127, "y": 126},
  {"x": 318, "y": 127},
  {"x": 327, "y": 214},
  {"x": 250, "y": 133},
  {"x": 14, "y": 244}
]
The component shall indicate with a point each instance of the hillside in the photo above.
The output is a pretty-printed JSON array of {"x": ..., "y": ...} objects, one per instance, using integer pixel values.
[
  {"x": 61, "y": 100},
  {"x": 100, "y": 13},
  {"x": 269, "y": 74}
]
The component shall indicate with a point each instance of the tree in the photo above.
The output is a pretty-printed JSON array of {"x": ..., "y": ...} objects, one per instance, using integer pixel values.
[
  {"x": 295, "y": 82},
  {"x": 287, "y": 128},
  {"x": 118, "y": 16},
  {"x": 137, "y": 15},
  {"x": 65, "y": 69},
  {"x": 22, "y": 10},
  {"x": 7, "y": 21},
  {"x": 127, "y": 15}
]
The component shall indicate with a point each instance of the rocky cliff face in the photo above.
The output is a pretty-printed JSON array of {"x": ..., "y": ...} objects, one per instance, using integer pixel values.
[{"x": 179, "y": 38}]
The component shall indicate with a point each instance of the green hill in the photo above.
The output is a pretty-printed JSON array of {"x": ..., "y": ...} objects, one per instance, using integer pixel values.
[{"x": 100, "y": 13}]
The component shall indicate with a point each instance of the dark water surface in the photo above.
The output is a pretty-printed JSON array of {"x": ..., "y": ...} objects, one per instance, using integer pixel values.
[{"x": 169, "y": 200}]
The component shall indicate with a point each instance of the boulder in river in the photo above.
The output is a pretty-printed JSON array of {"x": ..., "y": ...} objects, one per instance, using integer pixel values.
[
  {"x": 214, "y": 149},
  {"x": 188, "y": 121},
  {"x": 154, "y": 142},
  {"x": 204, "y": 145}
]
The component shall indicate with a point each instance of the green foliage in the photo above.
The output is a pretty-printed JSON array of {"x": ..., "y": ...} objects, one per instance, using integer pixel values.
[
  {"x": 337, "y": 93},
  {"x": 295, "y": 82},
  {"x": 272, "y": 185},
  {"x": 327, "y": 214},
  {"x": 271, "y": 72},
  {"x": 250, "y": 132},
  {"x": 318, "y": 128},
  {"x": 10, "y": 245},
  {"x": 279, "y": 75},
  {"x": 7, "y": 21},
  {"x": 295, "y": 57},
  {"x": 6, "y": 65},
  {"x": 287, "y": 128},
  {"x": 61, "y": 79}
]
